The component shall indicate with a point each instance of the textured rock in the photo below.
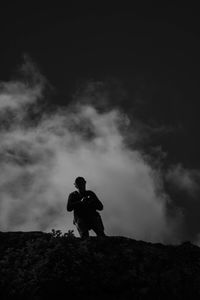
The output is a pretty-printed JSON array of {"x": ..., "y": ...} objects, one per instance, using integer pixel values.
[{"x": 37, "y": 265}]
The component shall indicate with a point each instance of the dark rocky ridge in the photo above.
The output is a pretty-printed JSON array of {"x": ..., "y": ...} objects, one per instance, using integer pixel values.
[{"x": 37, "y": 265}]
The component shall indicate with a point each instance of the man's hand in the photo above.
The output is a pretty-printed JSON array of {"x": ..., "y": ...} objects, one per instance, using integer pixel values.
[
  {"x": 83, "y": 199},
  {"x": 86, "y": 199}
]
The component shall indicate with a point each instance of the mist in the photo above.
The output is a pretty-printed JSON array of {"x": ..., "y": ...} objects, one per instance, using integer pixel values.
[{"x": 40, "y": 160}]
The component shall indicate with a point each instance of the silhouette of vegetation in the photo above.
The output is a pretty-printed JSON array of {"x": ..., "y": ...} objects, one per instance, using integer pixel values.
[
  {"x": 58, "y": 233},
  {"x": 36, "y": 265}
]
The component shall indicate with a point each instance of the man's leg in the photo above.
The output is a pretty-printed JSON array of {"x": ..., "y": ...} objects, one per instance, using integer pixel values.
[
  {"x": 97, "y": 226},
  {"x": 82, "y": 229}
]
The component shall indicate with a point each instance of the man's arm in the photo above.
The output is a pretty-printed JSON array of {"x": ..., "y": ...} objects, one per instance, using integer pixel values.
[{"x": 95, "y": 202}]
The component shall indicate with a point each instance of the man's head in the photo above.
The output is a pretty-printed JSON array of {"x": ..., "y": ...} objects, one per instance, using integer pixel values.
[{"x": 80, "y": 183}]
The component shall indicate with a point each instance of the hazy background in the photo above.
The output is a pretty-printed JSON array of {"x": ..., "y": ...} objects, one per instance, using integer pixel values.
[
  {"x": 43, "y": 152},
  {"x": 111, "y": 94}
]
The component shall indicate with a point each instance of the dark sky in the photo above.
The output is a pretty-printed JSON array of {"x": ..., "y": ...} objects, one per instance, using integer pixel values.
[
  {"x": 151, "y": 52},
  {"x": 145, "y": 58}
]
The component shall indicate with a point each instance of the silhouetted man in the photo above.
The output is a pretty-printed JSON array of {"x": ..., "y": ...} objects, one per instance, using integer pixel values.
[{"x": 85, "y": 204}]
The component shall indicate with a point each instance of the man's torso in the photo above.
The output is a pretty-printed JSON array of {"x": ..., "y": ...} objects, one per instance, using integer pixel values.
[{"x": 87, "y": 210}]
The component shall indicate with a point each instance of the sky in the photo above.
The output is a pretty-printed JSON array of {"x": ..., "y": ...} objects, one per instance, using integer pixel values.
[{"x": 109, "y": 94}]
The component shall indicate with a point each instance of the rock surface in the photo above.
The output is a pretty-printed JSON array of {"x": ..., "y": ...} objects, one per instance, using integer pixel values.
[{"x": 37, "y": 265}]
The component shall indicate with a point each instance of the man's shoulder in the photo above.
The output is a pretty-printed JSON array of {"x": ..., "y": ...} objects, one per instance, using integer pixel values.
[{"x": 91, "y": 193}]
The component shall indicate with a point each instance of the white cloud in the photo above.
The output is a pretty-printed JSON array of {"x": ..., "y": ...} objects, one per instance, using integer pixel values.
[
  {"x": 14, "y": 95},
  {"x": 184, "y": 179},
  {"x": 39, "y": 165}
]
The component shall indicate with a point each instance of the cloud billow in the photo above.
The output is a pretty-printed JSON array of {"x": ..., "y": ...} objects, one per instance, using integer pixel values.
[{"x": 39, "y": 164}]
